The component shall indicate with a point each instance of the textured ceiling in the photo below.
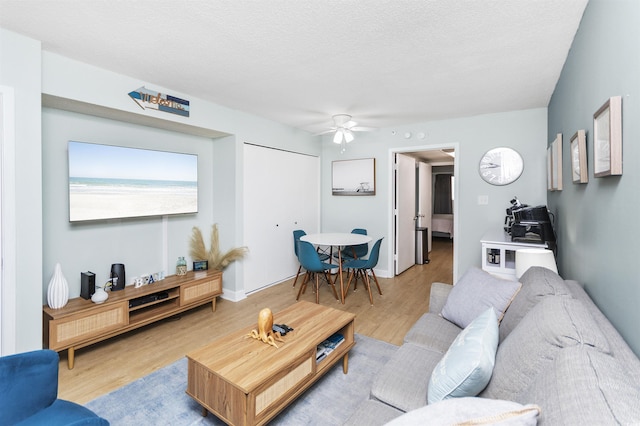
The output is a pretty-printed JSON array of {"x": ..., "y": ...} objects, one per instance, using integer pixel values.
[{"x": 386, "y": 63}]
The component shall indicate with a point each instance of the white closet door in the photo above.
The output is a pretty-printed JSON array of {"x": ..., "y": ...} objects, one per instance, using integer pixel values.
[
  {"x": 281, "y": 194},
  {"x": 405, "y": 213}
]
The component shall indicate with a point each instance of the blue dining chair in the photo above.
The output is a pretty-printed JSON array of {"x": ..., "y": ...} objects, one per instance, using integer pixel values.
[
  {"x": 296, "y": 239},
  {"x": 310, "y": 260},
  {"x": 363, "y": 266},
  {"x": 357, "y": 251}
]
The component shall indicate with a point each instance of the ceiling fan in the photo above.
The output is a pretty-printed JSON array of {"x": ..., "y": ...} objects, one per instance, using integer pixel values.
[{"x": 344, "y": 128}]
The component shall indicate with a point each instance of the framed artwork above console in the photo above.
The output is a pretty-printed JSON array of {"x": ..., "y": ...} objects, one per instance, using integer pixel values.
[{"x": 353, "y": 177}]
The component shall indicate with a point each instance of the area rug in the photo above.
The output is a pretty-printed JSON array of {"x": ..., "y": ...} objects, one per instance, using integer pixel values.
[{"x": 160, "y": 398}]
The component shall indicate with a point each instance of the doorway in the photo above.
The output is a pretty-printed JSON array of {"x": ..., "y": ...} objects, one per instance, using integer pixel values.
[{"x": 406, "y": 211}]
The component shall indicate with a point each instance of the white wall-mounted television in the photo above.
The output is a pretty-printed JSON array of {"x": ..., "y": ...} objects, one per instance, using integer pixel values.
[{"x": 111, "y": 182}]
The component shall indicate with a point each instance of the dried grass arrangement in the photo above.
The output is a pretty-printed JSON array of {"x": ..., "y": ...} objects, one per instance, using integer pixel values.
[{"x": 216, "y": 259}]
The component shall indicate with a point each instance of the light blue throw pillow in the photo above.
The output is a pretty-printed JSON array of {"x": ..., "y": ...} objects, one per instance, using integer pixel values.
[{"x": 467, "y": 366}]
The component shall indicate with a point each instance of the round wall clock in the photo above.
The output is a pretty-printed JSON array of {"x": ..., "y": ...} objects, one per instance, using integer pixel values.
[{"x": 501, "y": 166}]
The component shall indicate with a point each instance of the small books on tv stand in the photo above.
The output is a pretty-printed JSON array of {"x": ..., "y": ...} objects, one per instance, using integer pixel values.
[{"x": 326, "y": 347}]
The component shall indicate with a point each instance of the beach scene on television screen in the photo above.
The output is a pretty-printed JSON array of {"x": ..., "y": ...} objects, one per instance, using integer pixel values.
[{"x": 109, "y": 182}]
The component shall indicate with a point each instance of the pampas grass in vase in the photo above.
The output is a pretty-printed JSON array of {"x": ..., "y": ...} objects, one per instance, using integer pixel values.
[{"x": 216, "y": 259}]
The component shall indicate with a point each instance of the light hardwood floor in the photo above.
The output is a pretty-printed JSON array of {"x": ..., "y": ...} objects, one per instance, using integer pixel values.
[{"x": 106, "y": 366}]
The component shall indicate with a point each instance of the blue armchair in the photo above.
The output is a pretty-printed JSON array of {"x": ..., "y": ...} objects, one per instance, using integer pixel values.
[{"x": 29, "y": 393}]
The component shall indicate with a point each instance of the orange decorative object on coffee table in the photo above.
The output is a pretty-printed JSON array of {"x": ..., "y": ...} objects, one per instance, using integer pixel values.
[{"x": 265, "y": 329}]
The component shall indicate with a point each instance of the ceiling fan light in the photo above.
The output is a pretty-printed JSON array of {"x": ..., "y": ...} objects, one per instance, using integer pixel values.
[
  {"x": 348, "y": 135},
  {"x": 341, "y": 120},
  {"x": 337, "y": 138}
]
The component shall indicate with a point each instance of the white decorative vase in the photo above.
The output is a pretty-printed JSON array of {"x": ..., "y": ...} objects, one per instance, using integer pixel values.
[
  {"x": 58, "y": 290},
  {"x": 99, "y": 296}
]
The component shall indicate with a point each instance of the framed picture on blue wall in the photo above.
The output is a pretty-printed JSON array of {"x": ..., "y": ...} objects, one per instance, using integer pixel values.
[
  {"x": 554, "y": 155},
  {"x": 607, "y": 138},
  {"x": 578, "y": 150}
]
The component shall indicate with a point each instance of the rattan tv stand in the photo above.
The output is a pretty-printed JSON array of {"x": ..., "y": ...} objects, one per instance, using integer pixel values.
[{"x": 81, "y": 322}]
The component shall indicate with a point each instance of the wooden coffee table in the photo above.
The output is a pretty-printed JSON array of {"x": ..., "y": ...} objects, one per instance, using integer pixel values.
[{"x": 245, "y": 382}]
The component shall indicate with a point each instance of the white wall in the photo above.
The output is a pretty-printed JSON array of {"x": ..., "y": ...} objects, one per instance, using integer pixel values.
[
  {"x": 227, "y": 155},
  {"x": 525, "y": 131},
  {"x": 20, "y": 70}
]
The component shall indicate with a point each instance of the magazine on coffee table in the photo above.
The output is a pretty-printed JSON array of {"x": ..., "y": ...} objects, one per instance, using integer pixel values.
[{"x": 326, "y": 347}]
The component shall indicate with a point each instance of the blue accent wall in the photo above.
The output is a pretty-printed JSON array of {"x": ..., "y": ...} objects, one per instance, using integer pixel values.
[{"x": 597, "y": 223}]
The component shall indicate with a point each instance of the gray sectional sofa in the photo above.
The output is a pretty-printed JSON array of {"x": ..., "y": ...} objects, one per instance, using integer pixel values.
[{"x": 557, "y": 357}]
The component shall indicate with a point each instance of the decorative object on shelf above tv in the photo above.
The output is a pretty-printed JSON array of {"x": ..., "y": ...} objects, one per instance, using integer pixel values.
[{"x": 111, "y": 182}]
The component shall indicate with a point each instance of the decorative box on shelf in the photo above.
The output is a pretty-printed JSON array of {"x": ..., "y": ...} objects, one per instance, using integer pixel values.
[{"x": 499, "y": 254}]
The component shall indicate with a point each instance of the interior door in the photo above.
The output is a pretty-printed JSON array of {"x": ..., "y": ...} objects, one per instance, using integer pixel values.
[
  {"x": 282, "y": 193},
  {"x": 405, "y": 212},
  {"x": 424, "y": 198}
]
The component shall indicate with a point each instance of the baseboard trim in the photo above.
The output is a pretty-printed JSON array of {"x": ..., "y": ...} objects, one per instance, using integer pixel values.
[{"x": 234, "y": 296}]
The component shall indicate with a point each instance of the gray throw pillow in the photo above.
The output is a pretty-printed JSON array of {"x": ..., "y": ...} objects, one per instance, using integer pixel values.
[
  {"x": 537, "y": 283},
  {"x": 474, "y": 293}
]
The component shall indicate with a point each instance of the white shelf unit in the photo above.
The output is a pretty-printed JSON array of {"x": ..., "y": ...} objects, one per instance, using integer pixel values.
[{"x": 499, "y": 254}]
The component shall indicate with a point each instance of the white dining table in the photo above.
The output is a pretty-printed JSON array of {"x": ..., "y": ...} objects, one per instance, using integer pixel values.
[{"x": 338, "y": 240}]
